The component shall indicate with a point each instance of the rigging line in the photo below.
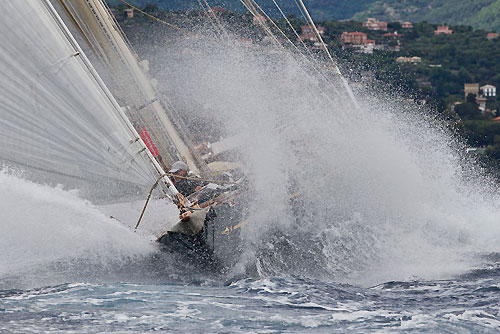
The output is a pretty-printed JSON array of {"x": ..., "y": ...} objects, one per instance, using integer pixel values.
[
  {"x": 335, "y": 67},
  {"x": 84, "y": 31},
  {"x": 73, "y": 19},
  {"x": 264, "y": 26},
  {"x": 182, "y": 177},
  {"x": 274, "y": 24},
  {"x": 284, "y": 35},
  {"x": 293, "y": 29},
  {"x": 154, "y": 17},
  {"x": 60, "y": 64},
  {"x": 201, "y": 179},
  {"x": 254, "y": 12},
  {"x": 314, "y": 65},
  {"x": 302, "y": 42},
  {"x": 300, "y": 10},
  {"x": 119, "y": 28},
  {"x": 311, "y": 22},
  {"x": 211, "y": 13},
  {"x": 204, "y": 9},
  {"x": 320, "y": 38}
]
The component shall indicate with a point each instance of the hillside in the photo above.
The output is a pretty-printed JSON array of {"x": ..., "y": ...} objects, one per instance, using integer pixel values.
[
  {"x": 483, "y": 14},
  {"x": 319, "y": 9},
  {"x": 477, "y": 13}
]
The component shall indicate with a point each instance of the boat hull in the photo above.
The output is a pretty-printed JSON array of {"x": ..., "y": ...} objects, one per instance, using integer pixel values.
[{"x": 217, "y": 245}]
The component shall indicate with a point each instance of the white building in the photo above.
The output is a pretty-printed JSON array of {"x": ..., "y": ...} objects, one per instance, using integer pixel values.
[{"x": 489, "y": 90}]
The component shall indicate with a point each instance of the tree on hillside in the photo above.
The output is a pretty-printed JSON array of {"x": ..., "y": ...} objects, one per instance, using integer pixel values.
[{"x": 469, "y": 109}]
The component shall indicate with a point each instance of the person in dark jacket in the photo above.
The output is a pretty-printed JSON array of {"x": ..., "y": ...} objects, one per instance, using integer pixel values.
[{"x": 184, "y": 186}]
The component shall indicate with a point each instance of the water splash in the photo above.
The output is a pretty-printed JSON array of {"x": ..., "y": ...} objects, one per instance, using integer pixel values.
[
  {"x": 52, "y": 234},
  {"x": 384, "y": 189}
]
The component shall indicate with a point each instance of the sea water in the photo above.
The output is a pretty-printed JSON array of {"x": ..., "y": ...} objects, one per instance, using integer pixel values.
[
  {"x": 67, "y": 267},
  {"x": 272, "y": 305}
]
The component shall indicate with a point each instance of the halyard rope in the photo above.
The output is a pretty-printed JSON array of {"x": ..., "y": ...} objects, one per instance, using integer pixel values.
[
  {"x": 180, "y": 177},
  {"x": 153, "y": 17}
]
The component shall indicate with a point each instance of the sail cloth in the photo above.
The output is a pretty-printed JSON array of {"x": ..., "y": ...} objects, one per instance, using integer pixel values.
[{"x": 58, "y": 122}]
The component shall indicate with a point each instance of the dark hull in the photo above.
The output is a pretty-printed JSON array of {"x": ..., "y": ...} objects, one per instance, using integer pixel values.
[{"x": 218, "y": 245}]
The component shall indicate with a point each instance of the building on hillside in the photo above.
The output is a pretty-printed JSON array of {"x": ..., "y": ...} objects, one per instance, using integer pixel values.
[
  {"x": 491, "y": 35},
  {"x": 367, "y": 47},
  {"x": 393, "y": 35},
  {"x": 358, "y": 41},
  {"x": 481, "y": 101},
  {"x": 308, "y": 33},
  {"x": 306, "y": 30},
  {"x": 373, "y": 24},
  {"x": 355, "y": 38},
  {"x": 218, "y": 10},
  {"x": 392, "y": 42},
  {"x": 407, "y": 25},
  {"x": 392, "y": 48},
  {"x": 489, "y": 90},
  {"x": 471, "y": 88},
  {"x": 258, "y": 19},
  {"x": 412, "y": 60},
  {"x": 129, "y": 13},
  {"x": 443, "y": 30},
  {"x": 481, "y": 95}
]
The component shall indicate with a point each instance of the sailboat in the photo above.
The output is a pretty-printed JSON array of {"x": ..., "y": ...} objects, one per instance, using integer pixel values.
[
  {"x": 101, "y": 132},
  {"x": 79, "y": 110}
]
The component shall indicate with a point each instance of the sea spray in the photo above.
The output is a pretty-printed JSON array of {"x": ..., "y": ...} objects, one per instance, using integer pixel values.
[
  {"x": 53, "y": 235},
  {"x": 383, "y": 189}
]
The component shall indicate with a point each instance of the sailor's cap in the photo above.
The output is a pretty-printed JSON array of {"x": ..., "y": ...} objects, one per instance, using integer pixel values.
[{"x": 178, "y": 165}]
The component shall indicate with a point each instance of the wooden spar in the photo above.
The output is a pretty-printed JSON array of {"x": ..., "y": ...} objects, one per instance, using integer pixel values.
[{"x": 103, "y": 34}]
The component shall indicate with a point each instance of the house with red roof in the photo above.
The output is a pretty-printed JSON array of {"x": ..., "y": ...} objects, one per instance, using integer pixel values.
[
  {"x": 308, "y": 33},
  {"x": 491, "y": 35},
  {"x": 407, "y": 25},
  {"x": 443, "y": 30},
  {"x": 373, "y": 24},
  {"x": 355, "y": 38}
]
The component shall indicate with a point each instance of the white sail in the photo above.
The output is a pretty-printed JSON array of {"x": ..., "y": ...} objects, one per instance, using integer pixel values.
[
  {"x": 58, "y": 122},
  {"x": 95, "y": 28}
]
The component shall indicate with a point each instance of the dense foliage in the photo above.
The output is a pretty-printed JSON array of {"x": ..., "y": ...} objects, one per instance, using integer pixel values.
[
  {"x": 482, "y": 14},
  {"x": 477, "y": 13},
  {"x": 448, "y": 62}
]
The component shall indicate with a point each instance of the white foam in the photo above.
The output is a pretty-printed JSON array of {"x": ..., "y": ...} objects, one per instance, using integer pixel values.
[
  {"x": 384, "y": 187},
  {"x": 43, "y": 225}
]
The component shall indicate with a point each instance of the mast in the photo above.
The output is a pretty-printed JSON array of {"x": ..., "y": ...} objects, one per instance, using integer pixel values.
[
  {"x": 154, "y": 165},
  {"x": 95, "y": 23}
]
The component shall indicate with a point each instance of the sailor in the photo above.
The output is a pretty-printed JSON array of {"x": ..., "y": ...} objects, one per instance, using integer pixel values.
[{"x": 184, "y": 186}]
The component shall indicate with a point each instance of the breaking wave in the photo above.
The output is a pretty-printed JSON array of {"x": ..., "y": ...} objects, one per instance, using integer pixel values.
[{"x": 52, "y": 235}]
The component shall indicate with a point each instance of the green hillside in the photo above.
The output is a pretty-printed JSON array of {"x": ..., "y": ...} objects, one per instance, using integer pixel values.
[
  {"x": 335, "y": 9},
  {"x": 477, "y": 13},
  {"x": 319, "y": 9},
  {"x": 483, "y": 14}
]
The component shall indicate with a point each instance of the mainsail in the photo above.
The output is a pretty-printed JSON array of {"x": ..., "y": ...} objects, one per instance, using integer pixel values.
[
  {"x": 58, "y": 121},
  {"x": 93, "y": 23}
]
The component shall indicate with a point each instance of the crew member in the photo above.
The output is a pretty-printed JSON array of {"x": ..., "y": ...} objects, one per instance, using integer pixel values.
[{"x": 184, "y": 186}]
